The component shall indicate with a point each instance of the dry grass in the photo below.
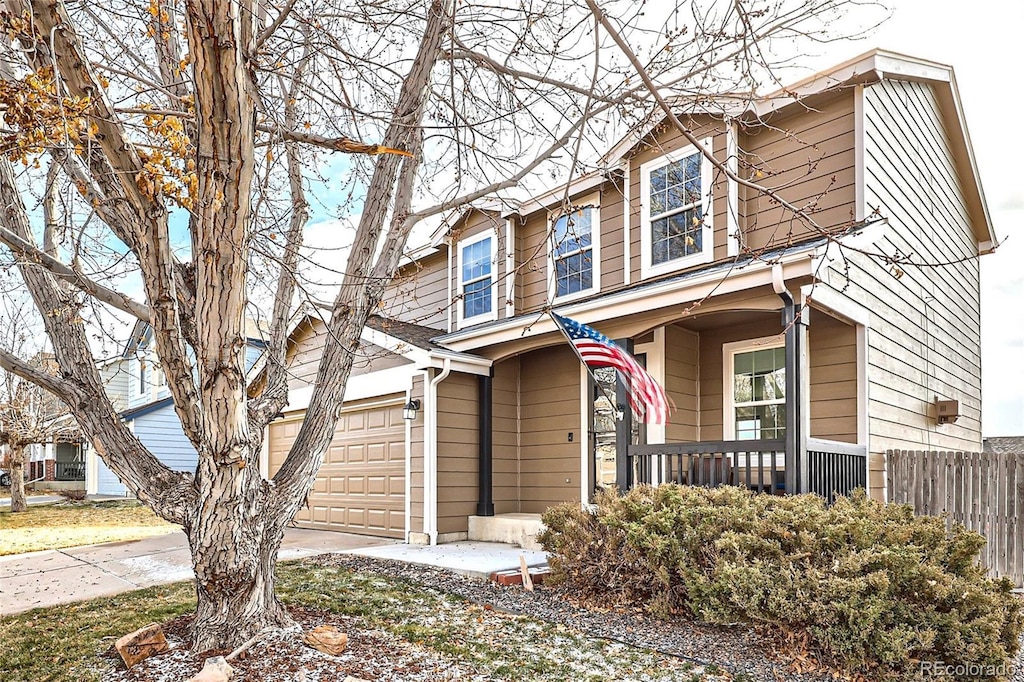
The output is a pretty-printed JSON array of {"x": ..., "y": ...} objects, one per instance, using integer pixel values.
[
  {"x": 66, "y": 643},
  {"x": 70, "y": 524}
]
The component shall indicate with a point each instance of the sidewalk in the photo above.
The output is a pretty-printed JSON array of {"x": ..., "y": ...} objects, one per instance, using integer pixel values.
[
  {"x": 32, "y": 499},
  {"x": 53, "y": 577}
]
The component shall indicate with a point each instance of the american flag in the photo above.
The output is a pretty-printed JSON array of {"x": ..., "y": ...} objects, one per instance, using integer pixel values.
[{"x": 646, "y": 396}]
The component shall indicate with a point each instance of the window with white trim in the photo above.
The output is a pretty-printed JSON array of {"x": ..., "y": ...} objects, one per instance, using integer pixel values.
[
  {"x": 756, "y": 392},
  {"x": 675, "y": 227},
  {"x": 574, "y": 249},
  {"x": 476, "y": 279}
]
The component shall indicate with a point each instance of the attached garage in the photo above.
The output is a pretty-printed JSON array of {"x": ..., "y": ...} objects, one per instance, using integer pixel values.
[{"x": 361, "y": 486}]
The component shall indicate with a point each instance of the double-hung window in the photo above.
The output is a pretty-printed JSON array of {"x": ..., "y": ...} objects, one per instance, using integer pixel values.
[
  {"x": 675, "y": 226},
  {"x": 756, "y": 391},
  {"x": 476, "y": 279},
  {"x": 574, "y": 264}
]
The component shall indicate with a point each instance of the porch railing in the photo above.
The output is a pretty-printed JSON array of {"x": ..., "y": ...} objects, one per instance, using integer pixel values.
[
  {"x": 835, "y": 468},
  {"x": 760, "y": 465},
  {"x": 70, "y": 471}
]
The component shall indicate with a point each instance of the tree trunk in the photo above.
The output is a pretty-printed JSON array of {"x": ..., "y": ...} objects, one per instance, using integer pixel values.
[
  {"x": 17, "y": 470},
  {"x": 235, "y": 535}
]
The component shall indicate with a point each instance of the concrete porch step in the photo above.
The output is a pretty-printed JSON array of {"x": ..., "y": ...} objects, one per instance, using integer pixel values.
[{"x": 512, "y": 529}]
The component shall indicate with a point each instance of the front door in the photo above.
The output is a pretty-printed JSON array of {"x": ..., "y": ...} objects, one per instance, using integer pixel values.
[{"x": 603, "y": 422}]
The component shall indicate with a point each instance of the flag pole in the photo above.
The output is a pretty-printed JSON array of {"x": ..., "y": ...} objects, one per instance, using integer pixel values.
[{"x": 611, "y": 399}]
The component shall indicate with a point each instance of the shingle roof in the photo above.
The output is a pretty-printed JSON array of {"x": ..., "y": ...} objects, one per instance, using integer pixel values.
[
  {"x": 1004, "y": 445},
  {"x": 414, "y": 334}
]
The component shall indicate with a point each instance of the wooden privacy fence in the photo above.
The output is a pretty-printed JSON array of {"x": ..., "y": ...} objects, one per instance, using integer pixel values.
[{"x": 984, "y": 492}]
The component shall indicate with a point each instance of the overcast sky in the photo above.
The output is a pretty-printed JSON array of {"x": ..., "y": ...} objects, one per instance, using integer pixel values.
[{"x": 981, "y": 40}]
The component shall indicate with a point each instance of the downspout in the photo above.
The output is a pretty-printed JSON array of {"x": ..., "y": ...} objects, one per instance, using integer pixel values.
[
  {"x": 430, "y": 454},
  {"x": 796, "y": 470}
]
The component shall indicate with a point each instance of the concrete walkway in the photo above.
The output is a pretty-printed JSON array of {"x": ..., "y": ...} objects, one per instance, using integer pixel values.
[
  {"x": 53, "y": 577},
  {"x": 475, "y": 559}
]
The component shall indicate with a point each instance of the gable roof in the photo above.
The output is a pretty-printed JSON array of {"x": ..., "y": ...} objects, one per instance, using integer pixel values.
[{"x": 868, "y": 68}]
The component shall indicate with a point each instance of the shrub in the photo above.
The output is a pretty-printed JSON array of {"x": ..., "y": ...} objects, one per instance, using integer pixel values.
[
  {"x": 72, "y": 495},
  {"x": 874, "y": 588}
]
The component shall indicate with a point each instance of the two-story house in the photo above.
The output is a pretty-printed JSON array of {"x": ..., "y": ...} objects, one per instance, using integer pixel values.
[{"x": 797, "y": 349}]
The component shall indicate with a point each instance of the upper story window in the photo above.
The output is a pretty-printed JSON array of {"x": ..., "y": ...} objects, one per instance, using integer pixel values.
[
  {"x": 477, "y": 278},
  {"x": 675, "y": 221},
  {"x": 574, "y": 252},
  {"x": 143, "y": 378}
]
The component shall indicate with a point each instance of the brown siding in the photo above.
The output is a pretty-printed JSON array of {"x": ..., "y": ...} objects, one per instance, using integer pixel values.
[
  {"x": 925, "y": 330},
  {"x": 550, "y": 409},
  {"x": 612, "y": 237},
  {"x": 307, "y": 348},
  {"x": 505, "y": 394},
  {"x": 532, "y": 247},
  {"x": 682, "y": 358},
  {"x": 809, "y": 159},
  {"x": 419, "y": 293},
  {"x": 457, "y": 452},
  {"x": 833, "y": 367},
  {"x": 531, "y": 260}
]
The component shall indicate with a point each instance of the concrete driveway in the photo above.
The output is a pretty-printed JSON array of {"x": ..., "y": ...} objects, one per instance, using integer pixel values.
[{"x": 40, "y": 579}]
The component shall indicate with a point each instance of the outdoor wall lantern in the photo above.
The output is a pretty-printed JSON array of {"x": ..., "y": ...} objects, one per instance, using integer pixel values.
[{"x": 409, "y": 411}]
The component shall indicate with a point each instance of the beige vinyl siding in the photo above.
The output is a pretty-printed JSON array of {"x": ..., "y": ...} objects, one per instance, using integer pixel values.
[
  {"x": 476, "y": 223},
  {"x": 809, "y": 159},
  {"x": 416, "y": 458},
  {"x": 712, "y": 395},
  {"x": 533, "y": 248},
  {"x": 924, "y": 339},
  {"x": 531, "y": 259},
  {"x": 833, "y": 367},
  {"x": 550, "y": 410},
  {"x": 662, "y": 142},
  {"x": 419, "y": 293},
  {"x": 307, "y": 348},
  {"x": 458, "y": 452},
  {"x": 505, "y": 435},
  {"x": 612, "y": 237},
  {"x": 682, "y": 359}
]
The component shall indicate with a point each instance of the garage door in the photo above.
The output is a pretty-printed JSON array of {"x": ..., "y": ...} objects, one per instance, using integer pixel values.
[{"x": 361, "y": 486}]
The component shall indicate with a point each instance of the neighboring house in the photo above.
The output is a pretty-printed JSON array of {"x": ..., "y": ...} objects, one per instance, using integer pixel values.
[
  {"x": 694, "y": 272},
  {"x": 60, "y": 463},
  {"x": 138, "y": 389},
  {"x": 53, "y": 466}
]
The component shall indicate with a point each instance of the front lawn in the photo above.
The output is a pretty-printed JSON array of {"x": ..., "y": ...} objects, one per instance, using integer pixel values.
[
  {"x": 70, "y": 524},
  {"x": 64, "y": 644}
]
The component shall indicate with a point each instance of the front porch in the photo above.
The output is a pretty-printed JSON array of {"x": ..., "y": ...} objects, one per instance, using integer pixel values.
[{"x": 765, "y": 398}]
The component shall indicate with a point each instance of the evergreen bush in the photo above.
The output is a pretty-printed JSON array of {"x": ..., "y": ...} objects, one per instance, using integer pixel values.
[{"x": 874, "y": 589}]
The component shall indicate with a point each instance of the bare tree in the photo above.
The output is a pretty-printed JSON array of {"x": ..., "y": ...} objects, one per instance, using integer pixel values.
[
  {"x": 30, "y": 415},
  {"x": 186, "y": 136}
]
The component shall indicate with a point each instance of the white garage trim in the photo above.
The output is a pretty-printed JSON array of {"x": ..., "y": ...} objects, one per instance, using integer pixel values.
[{"x": 381, "y": 382}]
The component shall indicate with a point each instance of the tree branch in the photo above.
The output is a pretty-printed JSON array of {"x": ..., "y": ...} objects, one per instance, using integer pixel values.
[{"x": 30, "y": 253}]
